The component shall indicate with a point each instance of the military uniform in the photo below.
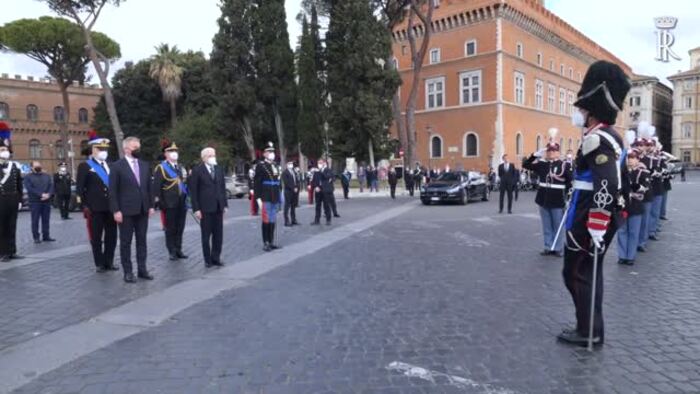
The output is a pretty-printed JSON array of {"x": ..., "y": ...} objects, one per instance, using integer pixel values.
[
  {"x": 170, "y": 191},
  {"x": 595, "y": 208},
  {"x": 634, "y": 191},
  {"x": 62, "y": 182},
  {"x": 92, "y": 188},
  {"x": 267, "y": 191},
  {"x": 323, "y": 181},
  {"x": 10, "y": 198}
]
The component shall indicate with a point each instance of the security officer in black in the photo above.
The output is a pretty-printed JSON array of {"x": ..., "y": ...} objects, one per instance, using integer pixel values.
[
  {"x": 291, "y": 183},
  {"x": 92, "y": 188},
  {"x": 170, "y": 192},
  {"x": 322, "y": 185},
  {"x": 62, "y": 182},
  {"x": 267, "y": 195},
  {"x": 10, "y": 197}
]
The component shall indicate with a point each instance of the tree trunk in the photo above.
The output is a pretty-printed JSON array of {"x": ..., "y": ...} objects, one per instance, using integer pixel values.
[
  {"x": 398, "y": 118},
  {"x": 280, "y": 135},
  {"x": 173, "y": 112},
  {"x": 106, "y": 88},
  {"x": 63, "y": 126},
  {"x": 370, "y": 148},
  {"x": 247, "y": 131}
]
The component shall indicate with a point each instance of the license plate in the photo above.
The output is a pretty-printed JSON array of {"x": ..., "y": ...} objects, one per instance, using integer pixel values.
[{"x": 435, "y": 199}]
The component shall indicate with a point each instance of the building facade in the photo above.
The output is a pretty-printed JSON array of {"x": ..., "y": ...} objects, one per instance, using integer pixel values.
[
  {"x": 686, "y": 111},
  {"x": 34, "y": 110},
  {"x": 651, "y": 101},
  {"x": 497, "y": 76}
]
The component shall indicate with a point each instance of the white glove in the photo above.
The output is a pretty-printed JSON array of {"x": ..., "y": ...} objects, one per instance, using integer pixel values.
[
  {"x": 539, "y": 153},
  {"x": 19, "y": 207},
  {"x": 597, "y": 237},
  {"x": 260, "y": 204}
]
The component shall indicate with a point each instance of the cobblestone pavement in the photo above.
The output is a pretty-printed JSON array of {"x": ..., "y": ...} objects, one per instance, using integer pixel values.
[{"x": 442, "y": 299}]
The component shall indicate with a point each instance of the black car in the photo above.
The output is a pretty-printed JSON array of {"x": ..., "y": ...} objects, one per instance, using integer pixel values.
[{"x": 456, "y": 186}]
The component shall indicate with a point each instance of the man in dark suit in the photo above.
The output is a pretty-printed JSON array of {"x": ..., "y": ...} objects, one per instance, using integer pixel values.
[
  {"x": 209, "y": 203},
  {"x": 171, "y": 194},
  {"x": 508, "y": 177},
  {"x": 322, "y": 185},
  {"x": 393, "y": 180},
  {"x": 291, "y": 194},
  {"x": 131, "y": 202},
  {"x": 92, "y": 188},
  {"x": 62, "y": 182}
]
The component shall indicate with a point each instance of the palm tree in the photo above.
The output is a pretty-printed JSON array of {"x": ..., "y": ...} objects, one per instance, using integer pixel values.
[{"x": 165, "y": 70}]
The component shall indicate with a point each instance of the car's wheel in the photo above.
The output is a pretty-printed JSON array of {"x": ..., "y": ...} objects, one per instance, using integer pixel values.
[
  {"x": 425, "y": 202},
  {"x": 464, "y": 198},
  {"x": 486, "y": 195}
]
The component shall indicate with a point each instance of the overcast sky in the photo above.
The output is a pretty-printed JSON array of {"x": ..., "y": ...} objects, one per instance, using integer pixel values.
[{"x": 625, "y": 27}]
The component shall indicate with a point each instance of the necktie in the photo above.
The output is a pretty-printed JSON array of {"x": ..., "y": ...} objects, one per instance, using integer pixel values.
[
  {"x": 211, "y": 172},
  {"x": 135, "y": 168}
]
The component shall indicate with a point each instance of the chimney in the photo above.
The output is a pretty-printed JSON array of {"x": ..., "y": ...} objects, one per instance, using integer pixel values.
[{"x": 17, "y": 76}]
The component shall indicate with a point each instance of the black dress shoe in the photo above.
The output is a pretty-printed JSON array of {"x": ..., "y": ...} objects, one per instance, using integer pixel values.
[
  {"x": 5, "y": 259},
  {"x": 315, "y": 223},
  {"x": 173, "y": 257},
  {"x": 335, "y": 215},
  {"x": 569, "y": 330},
  {"x": 145, "y": 275},
  {"x": 15, "y": 256},
  {"x": 217, "y": 263},
  {"x": 545, "y": 252},
  {"x": 295, "y": 223},
  {"x": 653, "y": 238},
  {"x": 630, "y": 262},
  {"x": 621, "y": 261},
  {"x": 129, "y": 278},
  {"x": 275, "y": 247},
  {"x": 287, "y": 225},
  {"x": 37, "y": 241},
  {"x": 208, "y": 265},
  {"x": 181, "y": 255},
  {"x": 49, "y": 239},
  {"x": 112, "y": 267},
  {"x": 510, "y": 212},
  {"x": 574, "y": 338},
  {"x": 267, "y": 247},
  {"x": 100, "y": 269},
  {"x": 663, "y": 218},
  {"x": 641, "y": 249}
]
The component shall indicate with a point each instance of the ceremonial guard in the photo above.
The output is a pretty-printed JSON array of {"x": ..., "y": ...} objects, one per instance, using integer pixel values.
[
  {"x": 644, "y": 144},
  {"x": 555, "y": 181},
  {"x": 291, "y": 194},
  {"x": 10, "y": 197},
  {"x": 657, "y": 169},
  {"x": 92, "y": 188},
  {"x": 596, "y": 205},
  {"x": 418, "y": 176},
  {"x": 267, "y": 193},
  {"x": 62, "y": 182},
  {"x": 251, "y": 189},
  {"x": 667, "y": 178},
  {"x": 634, "y": 190},
  {"x": 170, "y": 192}
]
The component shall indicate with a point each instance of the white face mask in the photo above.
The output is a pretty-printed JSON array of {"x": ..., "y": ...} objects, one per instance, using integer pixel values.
[
  {"x": 569, "y": 157},
  {"x": 320, "y": 166},
  {"x": 578, "y": 119},
  {"x": 211, "y": 161},
  {"x": 270, "y": 156},
  {"x": 4, "y": 155},
  {"x": 62, "y": 170},
  {"x": 291, "y": 167},
  {"x": 102, "y": 155},
  {"x": 173, "y": 156}
]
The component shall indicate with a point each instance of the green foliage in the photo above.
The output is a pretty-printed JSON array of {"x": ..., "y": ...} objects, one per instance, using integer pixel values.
[
  {"x": 359, "y": 83},
  {"x": 195, "y": 132},
  {"x": 197, "y": 94},
  {"x": 68, "y": 7},
  {"x": 311, "y": 91}
]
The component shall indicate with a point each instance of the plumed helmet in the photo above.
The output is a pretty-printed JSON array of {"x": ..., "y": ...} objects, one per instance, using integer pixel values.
[
  {"x": 168, "y": 146},
  {"x": 95, "y": 140},
  {"x": 552, "y": 145},
  {"x": 5, "y": 135},
  {"x": 603, "y": 91}
]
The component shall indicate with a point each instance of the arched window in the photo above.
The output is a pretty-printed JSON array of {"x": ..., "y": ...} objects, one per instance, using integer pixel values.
[
  {"x": 4, "y": 110},
  {"x": 34, "y": 149},
  {"x": 471, "y": 145},
  {"x": 561, "y": 143},
  {"x": 519, "y": 144},
  {"x": 32, "y": 113},
  {"x": 83, "y": 115},
  {"x": 59, "y": 115},
  {"x": 435, "y": 146},
  {"x": 571, "y": 143},
  {"x": 58, "y": 147},
  {"x": 538, "y": 146}
]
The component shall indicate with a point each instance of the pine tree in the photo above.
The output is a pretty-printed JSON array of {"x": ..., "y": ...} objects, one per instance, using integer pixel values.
[
  {"x": 360, "y": 83},
  {"x": 310, "y": 90},
  {"x": 274, "y": 66},
  {"x": 233, "y": 73}
]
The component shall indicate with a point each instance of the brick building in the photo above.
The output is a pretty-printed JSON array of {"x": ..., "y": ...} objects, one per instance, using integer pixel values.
[
  {"x": 686, "y": 111},
  {"x": 498, "y": 74},
  {"x": 34, "y": 109}
]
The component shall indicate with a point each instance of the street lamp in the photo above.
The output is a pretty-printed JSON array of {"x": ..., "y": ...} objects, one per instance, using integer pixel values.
[{"x": 429, "y": 131}]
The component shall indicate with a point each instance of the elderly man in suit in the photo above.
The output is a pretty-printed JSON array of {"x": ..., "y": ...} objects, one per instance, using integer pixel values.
[
  {"x": 209, "y": 204},
  {"x": 131, "y": 203},
  {"x": 509, "y": 180}
]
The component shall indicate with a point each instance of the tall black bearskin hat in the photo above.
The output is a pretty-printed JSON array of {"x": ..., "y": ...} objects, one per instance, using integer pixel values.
[
  {"x": 603, "y": 91},
  {"x": 5, "y": 135}
]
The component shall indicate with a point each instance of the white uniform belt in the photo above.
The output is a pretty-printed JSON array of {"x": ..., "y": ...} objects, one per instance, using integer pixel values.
[
  {"x": 553, "y": 186},
  {"x": 583, "y": 185}
]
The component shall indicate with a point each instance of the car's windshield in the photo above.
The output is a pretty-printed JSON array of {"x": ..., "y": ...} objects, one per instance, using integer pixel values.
[{"x": 449, "y": 177}]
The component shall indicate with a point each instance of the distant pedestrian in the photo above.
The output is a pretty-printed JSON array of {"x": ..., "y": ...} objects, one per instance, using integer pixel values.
[
  {"x": 362, "y": 176},
  {"x": 417, "y": 176},
  {"x": 373, "y": 179},
  {"x": 409, "y": 181},
  {"x": 291, "y": 194},
  {"x": 682, "y": 173},
  {"x": 62, "y": 183},
  {"x": 392, "y": 178},
  {"x": 508, "y": 181},
  {"x": 39, "y": 187},
  {"x": 345, "y": 182}
]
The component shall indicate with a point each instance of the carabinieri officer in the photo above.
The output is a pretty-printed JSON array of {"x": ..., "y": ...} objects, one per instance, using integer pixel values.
[
  {"x": 596, "y": 206},
  {"x": 267, "y": 193},
  {"x": 170, "y": 191}
]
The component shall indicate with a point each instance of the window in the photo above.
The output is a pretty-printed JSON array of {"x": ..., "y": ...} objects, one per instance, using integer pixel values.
[
  {"x": 519, "y": 50},
  {"x": 539, "y": 94},
  {"x": 58, "y": 147},
  {"x": 551, "y": 65},
  {"x": 395, "y": 63},
  {"x": 561, "y": 69},
  {"x": 59, "y": 115},
  {"x": 635, "y": 101},
  {"x": 436, "y": 3},
  {"x": 561, "y": 143},
  {"x": 519, "y": 144},
  {"x": 435, "y": 93},
  {"x": 435, "y": 56},
  {"x": 551, "y": 91},
  {"x": 687, "y": 130},
  {"x": 4, "y": 111},
  {"x": 471, "y": 145},
  {"x": 688, "y": 84},
  {"x": 688, "y": 102},
  {"x": 519, "y": 88},
  {"x": 571, "y": 102},
  {"x": 34, "y": 149},
  {"x": 562, "y": 101},
  {"x": 538, "y": 143},
  {"x": 404, "y": 50},
  {"x": 571, "y": 143},
  {"x": 470, "y": 91},
  {"x": 580, "y": 77},
  {"x": 539, "y": 59},
  {"x": 435, "y": 147},
  {"x": 83, "y": 115},
  {"x": 571, "y": 73},
  {"x": 470, "y": 48},
  {"x": 32, "y": 113},
  {"x": 686, "y": 156}
]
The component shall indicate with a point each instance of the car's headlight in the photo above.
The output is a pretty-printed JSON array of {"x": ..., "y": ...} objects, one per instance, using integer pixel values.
[{"x": 453, "y": 190}]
